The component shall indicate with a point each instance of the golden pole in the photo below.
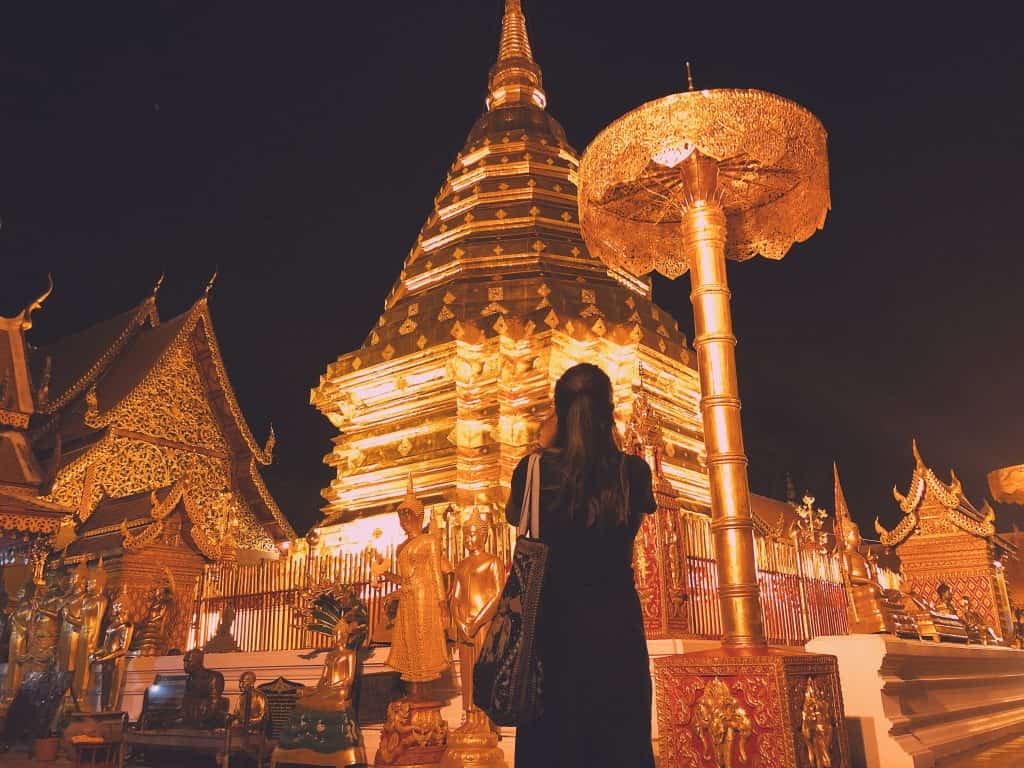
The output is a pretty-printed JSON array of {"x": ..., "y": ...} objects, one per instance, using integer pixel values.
[{"x": 704, "y": 235}]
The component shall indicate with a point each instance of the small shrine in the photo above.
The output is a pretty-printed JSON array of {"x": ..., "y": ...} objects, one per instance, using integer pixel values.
[{"x": 943, "y": 539}]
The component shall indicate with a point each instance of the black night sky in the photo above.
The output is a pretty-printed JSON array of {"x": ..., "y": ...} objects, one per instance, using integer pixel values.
[{"x": 297, "y": 147}]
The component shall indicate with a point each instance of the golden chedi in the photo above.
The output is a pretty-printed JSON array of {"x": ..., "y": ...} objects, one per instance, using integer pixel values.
[{"x": 479, "y": 579}]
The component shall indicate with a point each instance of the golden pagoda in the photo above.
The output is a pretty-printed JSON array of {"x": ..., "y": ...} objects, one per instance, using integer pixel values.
[
  {"x": 944, "y": 539},
  {"x": 497, "y": 297}
]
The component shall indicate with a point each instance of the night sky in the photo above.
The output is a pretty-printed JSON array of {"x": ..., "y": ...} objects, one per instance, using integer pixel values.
[{"x": 297, "y": 148}]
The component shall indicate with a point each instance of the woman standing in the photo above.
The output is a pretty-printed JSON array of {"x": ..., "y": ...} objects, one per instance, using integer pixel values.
[{"x": 590, "y": 635}]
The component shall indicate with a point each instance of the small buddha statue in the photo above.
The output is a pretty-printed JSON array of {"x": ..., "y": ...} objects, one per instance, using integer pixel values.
[
  {"x": 153, "y": 635},
  {"x": 203, "y": 705},
  {"x": 419, "y": 649},
  {"x": 71, "y": 619},
  {"x": 324, "y": 720},
  {"x": 94, "y": 610},
  {"x": 17, "y": 648},
  {"x": 251, "y": 711},
  {"x": 977, "y": 631},
  {"x": 871, "y": 610},
  {"x": 112, "y": 656},
  {"x": 479, "y": 579}
]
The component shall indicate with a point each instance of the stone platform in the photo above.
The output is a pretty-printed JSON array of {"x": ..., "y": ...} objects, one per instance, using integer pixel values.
[{"x": 918, "y": 704}]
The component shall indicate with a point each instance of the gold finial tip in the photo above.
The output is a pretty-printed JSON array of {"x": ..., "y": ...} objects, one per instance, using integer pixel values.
[
  {"x": 26, "y": 315},
  {"x": 689, "y": 76},
  {"x": 213, "y": 279},
  {"x": 159, "y": 282}
]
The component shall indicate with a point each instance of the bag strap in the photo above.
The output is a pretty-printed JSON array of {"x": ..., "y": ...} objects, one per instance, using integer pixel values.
[{"x": 529, "y": 515}]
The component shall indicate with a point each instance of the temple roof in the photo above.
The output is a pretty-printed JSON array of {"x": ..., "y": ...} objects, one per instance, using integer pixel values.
[{"x": 932, "y": 499}]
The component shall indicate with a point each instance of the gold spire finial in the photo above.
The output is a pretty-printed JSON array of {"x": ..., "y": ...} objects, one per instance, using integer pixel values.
[
  {"x": 26, "y": 316},
  {"x": 689, "y": 76},
  {"x": 156, "y": 286},
  {"x": 515, "y": 77},
  {"x": 209, "y": 285}
]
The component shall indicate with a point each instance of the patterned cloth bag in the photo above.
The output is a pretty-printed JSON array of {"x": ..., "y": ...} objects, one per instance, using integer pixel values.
[{"x": 508, "y": 678}]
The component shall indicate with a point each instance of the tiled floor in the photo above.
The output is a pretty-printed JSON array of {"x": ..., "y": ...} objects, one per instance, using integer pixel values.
[{"x": 1004, "y": 755}]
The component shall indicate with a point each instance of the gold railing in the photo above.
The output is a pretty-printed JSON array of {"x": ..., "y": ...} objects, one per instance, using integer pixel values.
[
  {"x": 264, "y": 596},
  {"x": 802, "y": 592}
]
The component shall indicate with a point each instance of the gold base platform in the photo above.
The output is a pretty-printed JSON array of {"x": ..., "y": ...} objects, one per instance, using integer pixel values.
[
  {"x": 473, "y": 745},
  {"x": 414, "y": 735},
  {"x": 765, "y": 706},
  {"x": 355, "y": 756}
]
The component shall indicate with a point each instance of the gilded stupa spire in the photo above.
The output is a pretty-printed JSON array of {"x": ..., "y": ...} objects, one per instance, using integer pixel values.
[{"x": 515, "y": 77}]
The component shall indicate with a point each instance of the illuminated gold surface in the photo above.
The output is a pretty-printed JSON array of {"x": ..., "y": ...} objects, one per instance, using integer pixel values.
[
  {"x": 112, "y": 657},
  {"x": 816, "y": 727},
  {"x": 772, "y": 178},
  {"x": 17, "y": 647},
  {"x": 719, "y": 720},
  {"x": 1007, "y": 484}
]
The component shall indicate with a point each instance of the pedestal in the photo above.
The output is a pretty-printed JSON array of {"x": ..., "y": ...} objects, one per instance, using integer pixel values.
[
  {"x": 912, "y": 703},
  {"x": 473, "y": 745},
  {"x": 770, "y": 707},
  {"x": 414, "y": 736}
]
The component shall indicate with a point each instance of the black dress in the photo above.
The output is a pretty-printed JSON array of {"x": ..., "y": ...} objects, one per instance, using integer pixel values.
[{"x": 590, "y": 635}]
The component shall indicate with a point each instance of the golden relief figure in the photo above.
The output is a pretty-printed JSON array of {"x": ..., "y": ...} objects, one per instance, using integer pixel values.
[
  {"x": 154, "y": 630},
  {"x": 816, "y": 727},
  {"x": 718, "y": 719},
  {"x": 419, "y": 649}
]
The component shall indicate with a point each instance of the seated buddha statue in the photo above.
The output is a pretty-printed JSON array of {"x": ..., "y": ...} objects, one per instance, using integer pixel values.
[{"x": 872, "y": 608}]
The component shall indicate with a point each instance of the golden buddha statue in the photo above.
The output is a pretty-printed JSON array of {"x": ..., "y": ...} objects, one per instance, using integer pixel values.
[
  {"x": 21, "y": 618},
  {"x": 479, "y": 579},
  {"x": 44, "y": 626},
  {"x": 323, "y": 729},
  {"x": 94, "y": 610},
  {"x": 153, "y": 635},
  {"x": 251, "y": 711},
  {"x": 112, "y": 656},
  {"x": 419, "y": 649},
  {"x": 872, "y": 609},
  {"x": 71, "y": 619}
]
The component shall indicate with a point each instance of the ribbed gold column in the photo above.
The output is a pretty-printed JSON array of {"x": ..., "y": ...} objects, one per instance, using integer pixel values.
[{"x": 704, "y": 234}]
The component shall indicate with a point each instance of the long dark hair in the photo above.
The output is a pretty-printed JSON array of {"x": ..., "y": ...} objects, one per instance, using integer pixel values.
[{"x": 592, "y": 482}]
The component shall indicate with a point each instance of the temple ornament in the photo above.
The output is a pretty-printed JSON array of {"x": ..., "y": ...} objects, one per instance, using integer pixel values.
[{"x": 722, "y": 724}]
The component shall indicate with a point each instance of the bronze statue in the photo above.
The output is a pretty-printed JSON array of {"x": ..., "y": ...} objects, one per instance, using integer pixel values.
[
  {"x": 203, "y": 705},
  {"x": 872, "y": 609},
  {"x": 113, "y": 657},
  {"x": 44, "y": 627},
  {"x": 153, "y": 635},
  {"x": 419, "y": 648},
  {"x": 21, "y": 618},
  {"x": 479, "y": 579},
  {"x": 71, "y": 619},
  {"x": 251, "y": 711},
  {"x": 977, "y": 630}
]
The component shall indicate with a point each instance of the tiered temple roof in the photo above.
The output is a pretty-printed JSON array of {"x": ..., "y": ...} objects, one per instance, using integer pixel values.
[
  {"x": 130, "y": 410},
  {"x": 496, "y": 298}
]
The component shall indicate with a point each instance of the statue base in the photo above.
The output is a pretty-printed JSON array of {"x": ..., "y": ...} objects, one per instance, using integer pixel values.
[
  {"x": 346, "y": 758},
  {"x": 415, "y": 734},
  {"x": 772, "y": 707},
  {"x": 473, "y": 745}
]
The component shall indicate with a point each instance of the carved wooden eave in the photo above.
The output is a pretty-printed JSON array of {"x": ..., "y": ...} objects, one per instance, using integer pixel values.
[
  {"x": 176, "y": 497},
  {"x": 926, "y": 490}
]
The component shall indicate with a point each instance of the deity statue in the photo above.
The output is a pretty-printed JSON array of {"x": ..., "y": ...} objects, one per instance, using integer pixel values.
[
  {"x": 44, "y": 626},
  {"x": 816, "y": 727},
  {"x": 94, "y": 610},
  {"x": 872, "y": 608},
  {"x": 112, "y": 655},
  {"x": 21, "y": 618},
  {"x": 974, "y": 622},
  {"x": 251, "y": 711},
  {"x": 324, "y": 724},
  {"x": 718, "y": 720},
  {"x": 934, "y": 621},
  {"x": 419, "y": 648},
  {"x": 223, "y": 641},
  {"x": 71, "y": 619},
  {"x": 203, "y": 705},
  {"x": 154, "y": 630},
  {"x": 479, "y": 579}
]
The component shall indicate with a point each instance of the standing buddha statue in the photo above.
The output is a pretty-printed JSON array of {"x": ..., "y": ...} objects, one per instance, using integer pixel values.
[
  {"x": 479, "y": 579},
  {"x": 94, "y": 610},
  {"x": 153, "y": 636},
  {"x": 71, "y": 619},
  {"x": 112, "y": 656},
  {"x": 44, "y": 626},
  {"x": 17, "y": 648}
]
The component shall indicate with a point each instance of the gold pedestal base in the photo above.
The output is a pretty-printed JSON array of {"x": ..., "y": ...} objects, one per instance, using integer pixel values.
[
  {"x": 355, "y": 756},
  {"x": 473, "y": 745},
  {"x": 414, "y": 734},
  {"x": 770, "y": 707}
]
